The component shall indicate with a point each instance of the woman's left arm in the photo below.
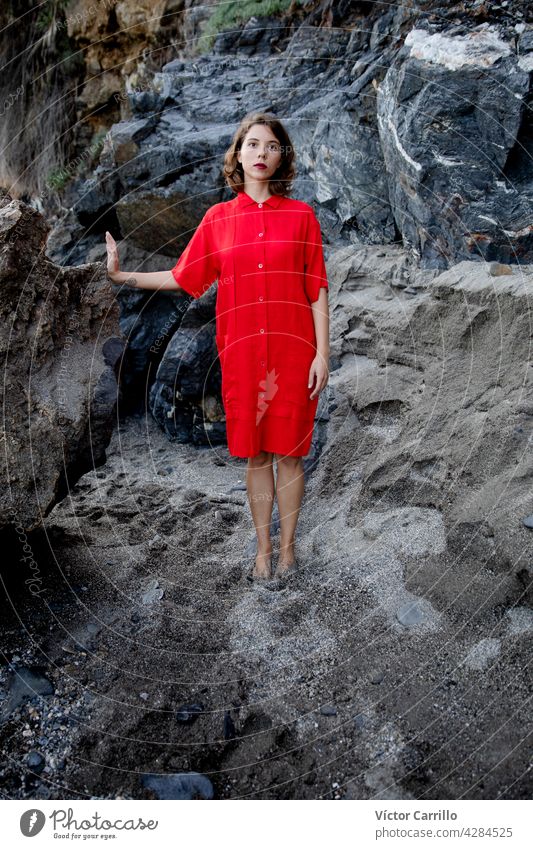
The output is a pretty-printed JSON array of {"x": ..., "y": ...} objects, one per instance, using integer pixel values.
[{"x": 320, "y": 365}]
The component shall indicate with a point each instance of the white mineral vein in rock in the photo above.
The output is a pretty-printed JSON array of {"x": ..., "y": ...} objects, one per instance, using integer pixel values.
[
  {"x": 399, "y": 145},
  {"x": 480, "y": 48},
  {"x": 446, "y": 160}
]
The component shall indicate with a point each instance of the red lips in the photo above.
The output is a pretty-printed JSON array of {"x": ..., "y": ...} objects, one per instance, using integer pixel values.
[{"x": 259, "y": 165}]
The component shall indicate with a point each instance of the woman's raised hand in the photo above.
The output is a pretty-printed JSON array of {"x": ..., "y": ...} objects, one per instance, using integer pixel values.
[{"x": 112, "y": 255}]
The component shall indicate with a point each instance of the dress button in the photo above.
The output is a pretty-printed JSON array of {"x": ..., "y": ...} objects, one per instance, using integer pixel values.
[
  {"x": 259, "y": 205},
  {"x": 261, "y": 330},
  {"x": 261, "y": 394},
  {"x": 260, "y": 234},
  {"x": 260, "y": 297},
  {"x": 260, "y": 265},
  {"x": 262, "y": 362}
]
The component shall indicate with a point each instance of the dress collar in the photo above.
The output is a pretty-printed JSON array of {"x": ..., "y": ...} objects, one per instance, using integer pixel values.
[{"x": 245, "y": 200}]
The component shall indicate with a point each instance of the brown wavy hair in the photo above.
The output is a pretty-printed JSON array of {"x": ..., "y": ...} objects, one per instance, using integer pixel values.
[{"x": 281, "y": 181}]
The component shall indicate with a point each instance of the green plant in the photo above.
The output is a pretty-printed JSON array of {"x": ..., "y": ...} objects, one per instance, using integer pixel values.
[
  {"x": 59, "y": 177},
  {"x": 50, "y": 11},
  {"x": 229, "y": 15}
]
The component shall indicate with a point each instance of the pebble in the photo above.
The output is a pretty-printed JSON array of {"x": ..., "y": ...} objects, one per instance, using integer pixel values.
[
  {"x": 328, "y": 710},
  {"x": 499, "y": 269},
  {"x": 152, "y": 593},
  {"x": 181, "y": 785},
  {"x": 528, "y": 521},
  {"x": 157, "y": 543},
  {"x": 189, "y": 713},
  {"x": 229, "y": 727},
  {"x": 35, "y": 761},
  {"x": 411, "y": 614},
  {"x": 377, "y": 678}
]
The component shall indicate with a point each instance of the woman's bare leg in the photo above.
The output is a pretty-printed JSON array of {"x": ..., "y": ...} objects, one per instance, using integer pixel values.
[
  {"x": 289, "y": 492},
  {"x": 260, "y": 489}
]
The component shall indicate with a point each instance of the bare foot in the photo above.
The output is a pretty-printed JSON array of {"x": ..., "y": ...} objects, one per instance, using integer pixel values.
[
  {"x": 286, "y": 557},
  {"x": 263, "y": 560}
]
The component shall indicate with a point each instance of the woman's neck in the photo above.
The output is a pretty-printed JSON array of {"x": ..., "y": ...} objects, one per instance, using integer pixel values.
[{"x": 259, "y": 193}]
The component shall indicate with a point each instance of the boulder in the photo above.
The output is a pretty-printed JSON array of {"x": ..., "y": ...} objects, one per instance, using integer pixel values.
[{"x": 61, "y": 346}]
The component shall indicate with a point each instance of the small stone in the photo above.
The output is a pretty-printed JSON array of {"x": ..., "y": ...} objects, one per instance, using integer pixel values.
[
  {"x": 498, "y": 269},
  {"x": 35, "y": 761},
  {"x": 229, "y": 727},
  {"x": 152, "y": 593},
  {"x": 528, "y": 521},
  {"x": 410, "y": 290},
  {"x": 157, "y": 543},
  {"x": 411, "y": 614},
  {"x": 360, "y": 721},
  {"x": 143, "y": 696},
  {"x": 180, "y": 785},
  {"x": 328, "y": 710},
  {"x": 377, "y": 677},
  {"x": 189, "y": 713}
]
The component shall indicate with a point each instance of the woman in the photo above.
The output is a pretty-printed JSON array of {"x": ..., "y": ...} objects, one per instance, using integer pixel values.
[{"x": 272, "y": 321}]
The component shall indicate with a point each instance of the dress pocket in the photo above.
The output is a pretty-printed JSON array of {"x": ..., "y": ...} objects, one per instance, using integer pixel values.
[{"x": 296, "y": 371}]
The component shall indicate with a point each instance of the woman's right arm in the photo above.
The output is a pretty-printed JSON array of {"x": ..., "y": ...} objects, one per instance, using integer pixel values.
[
  {"x": 146, "y": 279},
  {"x": 140, "y": 280}
]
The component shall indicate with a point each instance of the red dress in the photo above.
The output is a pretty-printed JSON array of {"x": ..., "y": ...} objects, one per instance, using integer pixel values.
[{"x": 269, "y": 263}]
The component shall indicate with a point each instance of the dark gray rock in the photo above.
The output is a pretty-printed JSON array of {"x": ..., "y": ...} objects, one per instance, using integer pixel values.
[
  {"x": 187, "y": 714},
  {"x": 453, "y": 124},
  {"x": 23, "y": 685},
  {"x": 185, "y": 785},
  {"x": 35, "y": 762},
  {"x": 229, "y": 727}
]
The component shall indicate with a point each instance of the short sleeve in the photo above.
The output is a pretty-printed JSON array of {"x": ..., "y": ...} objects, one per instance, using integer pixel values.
[
  {"x": 315, "y": 268},
  {"x": 197, "y": 268}
]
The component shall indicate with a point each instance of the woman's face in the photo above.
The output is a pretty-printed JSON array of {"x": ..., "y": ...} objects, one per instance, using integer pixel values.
[{"x": 259, "y": 145}]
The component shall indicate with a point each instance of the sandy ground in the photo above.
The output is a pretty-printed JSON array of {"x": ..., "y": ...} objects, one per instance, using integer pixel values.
[{"x": 349, "y": 680}]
